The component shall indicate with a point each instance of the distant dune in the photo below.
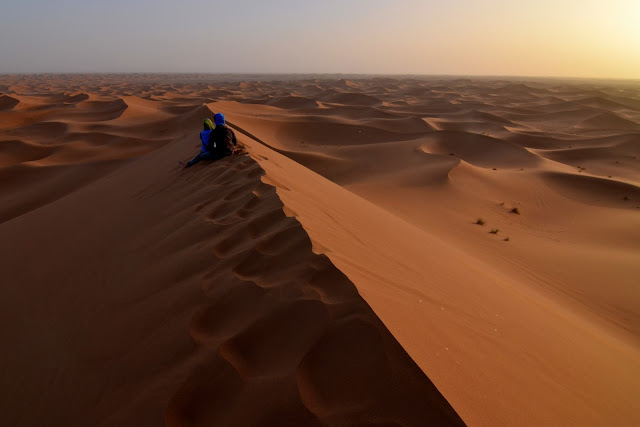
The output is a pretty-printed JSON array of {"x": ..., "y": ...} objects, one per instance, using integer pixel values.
[
  {"x": 7, "y": 102},
  {"x": 406, "y": 251}
]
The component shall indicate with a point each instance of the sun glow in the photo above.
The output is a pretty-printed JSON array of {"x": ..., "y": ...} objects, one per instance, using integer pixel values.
[{"x": 582, "y": 38}]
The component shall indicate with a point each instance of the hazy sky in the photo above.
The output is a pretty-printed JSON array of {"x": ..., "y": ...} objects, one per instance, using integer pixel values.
[{"x": 583, "y": 38}]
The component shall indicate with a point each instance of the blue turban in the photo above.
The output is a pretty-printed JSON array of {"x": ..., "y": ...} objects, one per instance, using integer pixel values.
[{"x": 219, "y": 119}]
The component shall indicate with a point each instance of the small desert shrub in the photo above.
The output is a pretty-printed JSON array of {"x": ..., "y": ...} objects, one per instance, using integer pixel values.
[
  {"x": 515, "y": 211},
  {"x": 480, "y": 221},
  {"x": 494, "y": 231},
  {"x": 506, "y": 239}
]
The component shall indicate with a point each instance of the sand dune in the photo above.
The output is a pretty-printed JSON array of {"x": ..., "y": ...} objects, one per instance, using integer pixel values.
[
  {"x": 41, "y": 131},
  {"x": 336, "y": 273},
  {"x": 593, "y": 190},
  {"x": 470, "y": 126},
  {"x": 16, "y": 151},
  {"x": 7, "y": 102},
  {"x": 351, "y": 99},
  {"x": 75, "y": 97},
  {"x": 608, "y": 121},
  {"x": 294, "y": 102},
  {"x": 479, "y": 150}
]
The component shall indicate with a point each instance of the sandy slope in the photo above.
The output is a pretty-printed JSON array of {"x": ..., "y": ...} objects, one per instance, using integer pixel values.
[
  {"x": 501, "y": 352},
  {"x": 141, "y": 292},
  {"x": 386, "y": 177},
  {"x": 552, "y": 315}
]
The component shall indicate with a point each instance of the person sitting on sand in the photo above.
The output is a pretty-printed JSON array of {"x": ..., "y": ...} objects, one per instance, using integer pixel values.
[
  {"x": 205, "y": 136},
  {"x": 217, "y": 139},
  {"x": 224, "y": 139}
]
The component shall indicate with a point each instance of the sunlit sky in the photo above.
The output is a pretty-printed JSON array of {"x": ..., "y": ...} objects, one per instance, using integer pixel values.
[{"x": 581, "y": 38}]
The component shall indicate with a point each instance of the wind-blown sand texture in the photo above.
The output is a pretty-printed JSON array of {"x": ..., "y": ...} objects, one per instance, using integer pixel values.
[{"x": 333, "y": 274}]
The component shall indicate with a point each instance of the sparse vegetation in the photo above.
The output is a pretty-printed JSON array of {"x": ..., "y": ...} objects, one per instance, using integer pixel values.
[
  {"x": 515, "y": 211},
  {"x": 494, "y": 231},
  {"x": 506, "y": 239},
  {"x": 480, "y": 221}
]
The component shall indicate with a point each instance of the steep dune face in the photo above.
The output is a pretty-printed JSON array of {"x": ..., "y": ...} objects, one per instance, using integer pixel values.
[
  {"x": 491, "y": 332},
  {"x": 292, "y": 338},
  {"x": 556, "y": 179}
]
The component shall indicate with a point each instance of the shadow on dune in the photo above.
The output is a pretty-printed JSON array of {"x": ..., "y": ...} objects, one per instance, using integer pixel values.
[
  {"x": 7, "y": 102},
  {"x": 593, "y": 190}
]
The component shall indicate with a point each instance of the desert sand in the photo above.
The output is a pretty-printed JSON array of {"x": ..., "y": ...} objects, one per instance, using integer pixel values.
[{"x": 408, "y": 250}]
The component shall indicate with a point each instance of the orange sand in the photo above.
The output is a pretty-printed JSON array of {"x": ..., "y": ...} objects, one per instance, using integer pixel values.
[{"x": 284, "y": 286}]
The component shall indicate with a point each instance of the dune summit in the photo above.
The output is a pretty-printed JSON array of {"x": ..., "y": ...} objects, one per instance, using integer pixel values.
[{"x": 408, "y": 251}]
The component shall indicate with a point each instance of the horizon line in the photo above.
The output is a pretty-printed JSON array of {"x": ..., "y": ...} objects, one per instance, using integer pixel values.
[{"x": 368, "y": 75}]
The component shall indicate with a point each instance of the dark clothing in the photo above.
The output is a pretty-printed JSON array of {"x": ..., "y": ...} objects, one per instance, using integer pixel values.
[
  {"x": 222, "y": 140},
  {"x": 216, "y": 144},
  {"x": 204, "y": 156}
]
